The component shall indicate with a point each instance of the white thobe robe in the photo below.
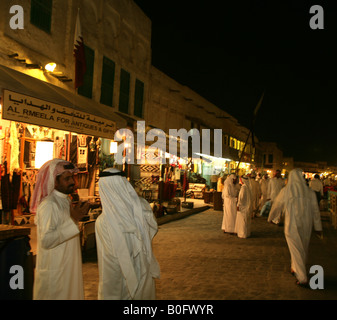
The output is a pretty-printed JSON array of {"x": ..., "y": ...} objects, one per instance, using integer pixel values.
[
  {"x": 301, "y": 214},
  {"x": 58, "y": 273},
  {"x": 264, "y": 183},
  {"x": 317, "y": 186},
  {"x": 274, "y": 187},
  {"x": 229, "y": 196},
  {"x": 256, "y": 193},
  {"x": 113, "y": 284},
  {"x": 243, "y": 218}
]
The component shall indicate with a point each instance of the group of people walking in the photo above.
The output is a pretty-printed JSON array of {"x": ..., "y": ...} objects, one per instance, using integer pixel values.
[
  {"x": 125, "y": 229},
  {"x": 243, "y": 197},
  {"x": 294, "y": 204}
]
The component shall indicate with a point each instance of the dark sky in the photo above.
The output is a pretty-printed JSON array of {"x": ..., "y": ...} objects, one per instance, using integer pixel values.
[{"x": 230, "y": 52}]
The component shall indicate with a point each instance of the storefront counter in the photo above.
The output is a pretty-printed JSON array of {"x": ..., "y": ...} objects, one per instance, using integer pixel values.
[
  {"x": 15, "y": 252},
  {"x": 217, "y": 201},
  {"x": 208, "y": 196},
  {"x": 214, "y": 197},
  {"x": 9, "y": 231}
]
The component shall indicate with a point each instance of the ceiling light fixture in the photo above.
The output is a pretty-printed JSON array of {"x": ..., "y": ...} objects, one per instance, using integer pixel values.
[{"x": 50, "y": 67}]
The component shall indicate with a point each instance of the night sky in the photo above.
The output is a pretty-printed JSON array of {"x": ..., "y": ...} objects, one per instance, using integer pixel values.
[{"x": 230, "y": 52}]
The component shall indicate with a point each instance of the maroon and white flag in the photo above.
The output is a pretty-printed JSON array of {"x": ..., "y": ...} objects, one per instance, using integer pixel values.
[{"x": 79, "y": 54}]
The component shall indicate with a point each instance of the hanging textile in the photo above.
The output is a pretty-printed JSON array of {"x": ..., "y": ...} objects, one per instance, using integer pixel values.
[
  {"x": 6, "y": 195},
  {"x": 10, "y": 190},
  {"x": 14, "y": 143}
]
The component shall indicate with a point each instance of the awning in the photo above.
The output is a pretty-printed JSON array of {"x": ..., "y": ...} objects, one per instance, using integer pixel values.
[{"x": 26, "y": 85}]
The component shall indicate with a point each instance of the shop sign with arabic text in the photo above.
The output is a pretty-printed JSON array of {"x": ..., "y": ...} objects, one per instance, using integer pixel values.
[{"x": 23, "y": 108}]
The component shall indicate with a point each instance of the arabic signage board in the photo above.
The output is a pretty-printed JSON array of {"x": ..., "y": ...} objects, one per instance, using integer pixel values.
[{"x": 22, "y": 108}]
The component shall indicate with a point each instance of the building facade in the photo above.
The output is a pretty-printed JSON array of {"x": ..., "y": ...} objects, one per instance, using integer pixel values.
[
  {"x": 120, "y": 88},
  {"x": 172, "y": 105},
  {"x": 117, "y": 39},
  {"x": 271, "y": 158}
]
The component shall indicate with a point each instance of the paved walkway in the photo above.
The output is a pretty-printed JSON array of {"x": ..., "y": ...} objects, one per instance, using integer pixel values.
[{"x": 199, "y": 262}]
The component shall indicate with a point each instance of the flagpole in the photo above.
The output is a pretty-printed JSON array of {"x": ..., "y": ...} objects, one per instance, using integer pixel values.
[
  {"x": 251, "y": 131},
  {"x": 77, "y": 15},
  {"x": 79, "y": 53}
]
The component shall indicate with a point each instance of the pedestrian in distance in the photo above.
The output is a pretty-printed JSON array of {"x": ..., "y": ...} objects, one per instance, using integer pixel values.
[
  {"x": 229, "y": 196},
  {"x": 264, "y": 182},
  {"x": 124, "y": 231},
  {"x": 317, "y": 186},
  {"x": 220, "y": 184},
  {"x": 58, "y": 272},
  {"x": 256, "y": 193},
  {"x": 275, "y": 185},
  {"x": 244, "y": 209},
  {"x": 301, "y": 214}
]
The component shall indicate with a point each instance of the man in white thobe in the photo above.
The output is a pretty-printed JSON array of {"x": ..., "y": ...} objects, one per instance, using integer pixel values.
[
  {"x": 316, "y": 185},
  {"x": 256, "y": 193},
  {"x": 275, "y": 186},
  {"x": 124, "y": 231},
  {"x": 243, "y": 218},
  {"x": 58, "y": 272},
  {"x": 229, "y": 196},
  {"x": 264, "y": 182},
  {"x": 300, "y": 208}
]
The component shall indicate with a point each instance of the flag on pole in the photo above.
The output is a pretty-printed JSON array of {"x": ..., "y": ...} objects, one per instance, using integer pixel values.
[
  {"x": 258, "y": 106},
  {"x": 252, "y": 129},
  {"x": 79, "y": 54}
]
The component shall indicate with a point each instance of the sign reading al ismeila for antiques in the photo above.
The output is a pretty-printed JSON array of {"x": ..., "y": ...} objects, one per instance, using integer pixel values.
[{"x": 23, "y": 108}]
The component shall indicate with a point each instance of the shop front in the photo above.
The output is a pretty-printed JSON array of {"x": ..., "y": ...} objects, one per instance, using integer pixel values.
[
  {"x": 158, "y": 179},
  {"x": 161, "y": 175},
  {"x": 35, "y": 127}
]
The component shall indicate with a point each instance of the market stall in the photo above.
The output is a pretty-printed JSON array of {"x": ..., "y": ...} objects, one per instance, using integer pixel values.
[
  {"x": 35, "y": 146},
  {"x": 40, "y": 122}
]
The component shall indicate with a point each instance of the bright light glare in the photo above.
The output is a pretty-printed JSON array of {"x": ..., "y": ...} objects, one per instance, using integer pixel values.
[
  {"x": 50, "y": 66},
  {"x": 113, "y": 147},
  {"x": 44, "y": 153}
]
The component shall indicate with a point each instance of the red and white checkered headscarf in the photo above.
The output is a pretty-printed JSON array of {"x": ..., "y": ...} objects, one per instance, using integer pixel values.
[{"x": 45, "y": 181}]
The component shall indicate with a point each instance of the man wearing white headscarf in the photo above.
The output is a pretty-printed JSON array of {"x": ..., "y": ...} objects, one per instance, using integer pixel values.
[
  {"x": 275, "y": 185},
  {"x": 124, "y": 232},
  {"x": 244, "y": 207},
  {"x": 301, "y": 214},
  {"x": 264, "y": 182},
  {"x": 256, "y": 193},
  {"x": 58, "y": 272},
  {"x": 229, "y": 196}
]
